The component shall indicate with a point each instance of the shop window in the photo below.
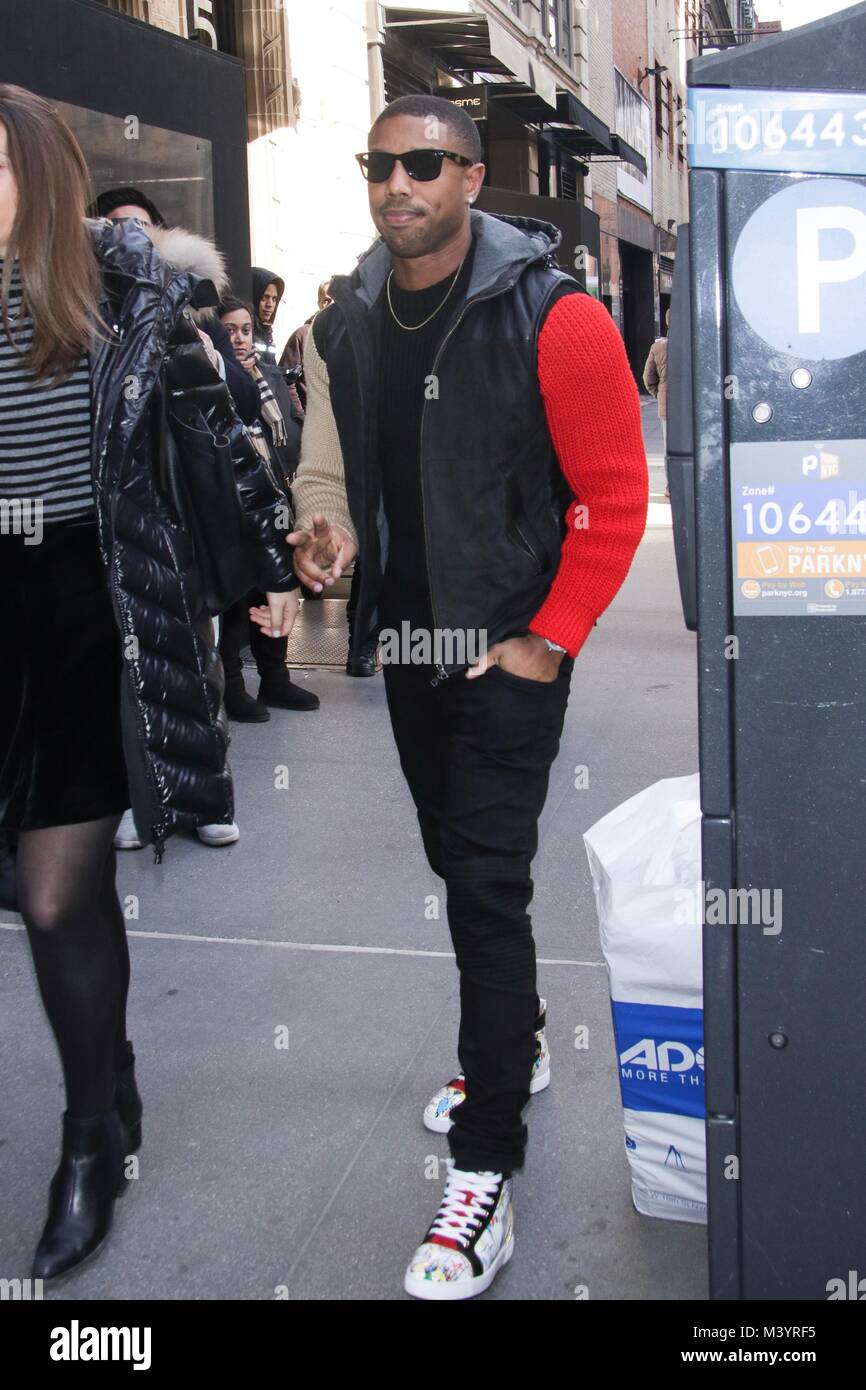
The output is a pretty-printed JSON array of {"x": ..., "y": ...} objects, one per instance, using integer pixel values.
[
  {"x": 669, "y": 112},
  {"x": 174, "y": 170},
  {"x": 557, "y": 15},
  {"x": 567, "y": 180}
]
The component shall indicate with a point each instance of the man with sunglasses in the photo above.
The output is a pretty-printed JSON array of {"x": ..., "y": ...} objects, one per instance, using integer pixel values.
[{"x": 474, "y": 429}]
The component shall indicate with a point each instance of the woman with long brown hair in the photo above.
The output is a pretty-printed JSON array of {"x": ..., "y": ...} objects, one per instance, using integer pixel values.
[{"x": 116, "y": 433}]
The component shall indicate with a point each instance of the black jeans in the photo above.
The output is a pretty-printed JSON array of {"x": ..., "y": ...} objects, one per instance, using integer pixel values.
[
  {"x": 477, "y": 756},
  {"x": 352, "y": 606},
  {"x": 238, "y": 629}
]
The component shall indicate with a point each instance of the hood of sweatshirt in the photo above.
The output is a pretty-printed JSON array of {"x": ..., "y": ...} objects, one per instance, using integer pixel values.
[{"x": 261, "y": 279}]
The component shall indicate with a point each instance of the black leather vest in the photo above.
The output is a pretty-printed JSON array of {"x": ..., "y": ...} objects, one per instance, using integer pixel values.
[{"x": 494, "y": 495}]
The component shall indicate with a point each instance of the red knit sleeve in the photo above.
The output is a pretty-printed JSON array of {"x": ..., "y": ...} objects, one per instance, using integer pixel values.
[{"x": 593, "y": 414}]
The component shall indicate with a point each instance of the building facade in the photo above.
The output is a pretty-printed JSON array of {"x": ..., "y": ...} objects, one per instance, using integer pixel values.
[
  {"x": 580, "y": 107},
  {"x": 310, "y": 99}
]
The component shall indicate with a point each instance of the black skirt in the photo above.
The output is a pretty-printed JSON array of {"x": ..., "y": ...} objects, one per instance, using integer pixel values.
[{"x": 61, "y": 755}]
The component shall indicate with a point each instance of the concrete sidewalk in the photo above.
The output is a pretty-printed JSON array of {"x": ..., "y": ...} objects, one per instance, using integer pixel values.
[{"x": 304, "y": 1170}]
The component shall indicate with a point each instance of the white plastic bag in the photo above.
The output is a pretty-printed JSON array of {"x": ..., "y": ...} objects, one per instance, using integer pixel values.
[{"x": 645, "y": 861}]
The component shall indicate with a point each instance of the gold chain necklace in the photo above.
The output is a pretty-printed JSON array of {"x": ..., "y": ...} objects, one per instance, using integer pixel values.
[{"x": 413, "y": 327}]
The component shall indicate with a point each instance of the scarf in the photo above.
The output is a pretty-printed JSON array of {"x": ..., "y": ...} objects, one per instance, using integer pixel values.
[{"x": 271, "y": 412}]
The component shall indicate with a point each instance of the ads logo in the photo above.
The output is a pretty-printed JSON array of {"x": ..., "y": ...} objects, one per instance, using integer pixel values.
[{"x": 661, "y": 1057}]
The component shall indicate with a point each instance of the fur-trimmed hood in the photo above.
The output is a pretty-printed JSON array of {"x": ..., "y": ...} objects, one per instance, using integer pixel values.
[
  {"x": 127, "y": 246},
  {"x": 193, "y": 253}
]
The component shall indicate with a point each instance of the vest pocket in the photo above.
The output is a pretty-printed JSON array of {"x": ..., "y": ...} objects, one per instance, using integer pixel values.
[{"x": 517, "y": 528}]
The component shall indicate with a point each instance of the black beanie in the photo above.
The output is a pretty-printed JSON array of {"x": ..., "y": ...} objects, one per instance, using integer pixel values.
[{"x": 121, "y": 197}]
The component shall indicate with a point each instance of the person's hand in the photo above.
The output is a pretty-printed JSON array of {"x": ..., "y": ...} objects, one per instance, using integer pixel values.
[
  {"x": 276, "y": 618},
  {"x": 209, "y": 348},
  {"x": 528, "y": 656},
  {"x": 321, "y": 555}
]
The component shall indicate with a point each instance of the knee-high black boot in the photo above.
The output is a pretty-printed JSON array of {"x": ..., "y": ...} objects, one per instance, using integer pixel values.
[{"x": 128, "y": 1103}]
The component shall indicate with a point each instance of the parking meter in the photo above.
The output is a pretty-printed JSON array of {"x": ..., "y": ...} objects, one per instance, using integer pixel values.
[
  {"x": 679, "y": 461},
  {"x": 777, "y": 304}
]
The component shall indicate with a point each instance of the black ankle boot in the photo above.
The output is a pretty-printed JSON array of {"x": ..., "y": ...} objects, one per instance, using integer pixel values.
[
  {"x": 277, "y": 688},
  {"x": 128, "y": 1103},
  {"x": 82, "y": 1195},
  {"x": 243, "y": 708},
  {"x": 364, "y": 664}
]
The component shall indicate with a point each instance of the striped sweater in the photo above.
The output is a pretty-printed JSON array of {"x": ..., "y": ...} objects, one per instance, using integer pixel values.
[{"x": 45, "y": 428}]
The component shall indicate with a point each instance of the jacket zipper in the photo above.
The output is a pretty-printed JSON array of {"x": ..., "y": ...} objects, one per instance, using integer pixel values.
[
  {"x": 269, "y": 471},
  {"x": 156, "y": 829},
  {"x": 441, "y": 673},
  {"x": 159, "y": 827}
]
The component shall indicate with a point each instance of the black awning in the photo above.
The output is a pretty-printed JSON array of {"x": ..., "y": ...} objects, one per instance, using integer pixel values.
[
  {"x": 631, "y": 156},
  {"x": 460, "y": 42},
  {"x": 572, "y": 124},
  {"x": 573, "y": 112}
]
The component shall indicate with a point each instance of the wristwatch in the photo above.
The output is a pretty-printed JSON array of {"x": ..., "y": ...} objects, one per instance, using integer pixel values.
[{"x": 554, "y": 646}]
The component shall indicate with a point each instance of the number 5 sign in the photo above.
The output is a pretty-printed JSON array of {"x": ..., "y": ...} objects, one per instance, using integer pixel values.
[{"x": 201, "y": 20}]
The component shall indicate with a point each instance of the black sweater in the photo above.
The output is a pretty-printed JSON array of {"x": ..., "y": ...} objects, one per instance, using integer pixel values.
[{"x": 405, "y": 367}]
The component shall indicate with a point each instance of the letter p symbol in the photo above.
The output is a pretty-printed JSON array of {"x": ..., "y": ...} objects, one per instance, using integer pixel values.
[{"x": 812, "y": 271}]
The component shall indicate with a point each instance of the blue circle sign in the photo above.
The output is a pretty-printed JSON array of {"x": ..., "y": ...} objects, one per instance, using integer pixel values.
[{"x": 799, "y": 269}]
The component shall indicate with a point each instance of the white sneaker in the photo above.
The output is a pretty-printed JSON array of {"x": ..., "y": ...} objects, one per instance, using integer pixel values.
[
  {"x": 470, "y": 1240},
  {"x": 126, "y": 836},
  {"x": 218, "y": 835},
  {"x": 437, "y": 1115}
]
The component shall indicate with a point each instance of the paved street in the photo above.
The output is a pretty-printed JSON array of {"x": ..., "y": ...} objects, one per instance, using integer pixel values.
[{"x": 304, "y": 1170}]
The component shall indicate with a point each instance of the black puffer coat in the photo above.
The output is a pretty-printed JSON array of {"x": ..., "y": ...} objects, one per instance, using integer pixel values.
[
  {"x": 285, "y": 455},
  {"x": 174, "y": 736}
]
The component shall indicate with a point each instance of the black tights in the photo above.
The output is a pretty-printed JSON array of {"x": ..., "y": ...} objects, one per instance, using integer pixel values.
[{"x": 68, "y": 899}]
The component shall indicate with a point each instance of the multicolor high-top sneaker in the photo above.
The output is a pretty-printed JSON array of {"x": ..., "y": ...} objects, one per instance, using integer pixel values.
[
  {"x": 437, "y": 1115},
  {"x": 470, "y": 1240}
]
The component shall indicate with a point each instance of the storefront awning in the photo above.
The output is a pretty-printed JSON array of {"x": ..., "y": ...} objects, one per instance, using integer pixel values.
[
  {"x": 468, "y": 43},
  {"x": 629, "y": 155},
  {"x": 476, "y": 47},
  {"x": 573, "y": 125}
]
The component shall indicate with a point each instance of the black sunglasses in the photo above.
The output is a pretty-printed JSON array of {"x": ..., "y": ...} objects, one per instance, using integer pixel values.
[{"x": 423, "y": 165}]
